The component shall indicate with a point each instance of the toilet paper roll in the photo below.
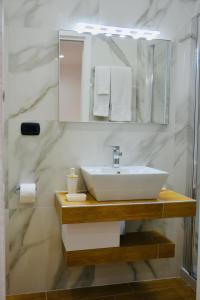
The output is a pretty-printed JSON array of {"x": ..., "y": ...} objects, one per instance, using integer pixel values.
[{"x": 27, "y": 193}]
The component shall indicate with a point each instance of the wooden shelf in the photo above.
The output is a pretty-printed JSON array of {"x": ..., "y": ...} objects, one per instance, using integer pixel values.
[
  {"x": 133, "y": 247},
  {"x": 168, "y": 205}
]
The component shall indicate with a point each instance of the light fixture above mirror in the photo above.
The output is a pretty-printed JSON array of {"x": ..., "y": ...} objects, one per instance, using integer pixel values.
[{"x": 122, "y": 32}]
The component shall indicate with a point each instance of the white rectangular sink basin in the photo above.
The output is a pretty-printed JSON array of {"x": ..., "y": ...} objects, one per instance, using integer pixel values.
[{"x": 124, "y": 183}]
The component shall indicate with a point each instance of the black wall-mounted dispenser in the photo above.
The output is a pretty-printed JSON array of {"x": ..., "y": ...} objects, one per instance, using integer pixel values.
[{"x": 30, "y": 128}]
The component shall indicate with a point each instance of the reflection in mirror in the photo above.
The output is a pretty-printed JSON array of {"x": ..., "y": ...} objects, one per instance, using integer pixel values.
[{"x": 113, "y": 79}]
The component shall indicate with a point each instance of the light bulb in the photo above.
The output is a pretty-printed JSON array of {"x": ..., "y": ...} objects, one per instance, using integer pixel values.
[
  {"x": 95, "y": 29},
  {"x": 108, "y": 34}
]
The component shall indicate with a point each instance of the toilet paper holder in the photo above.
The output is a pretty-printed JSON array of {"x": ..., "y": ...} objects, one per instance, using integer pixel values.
[
  {"x": 27, "y": 193},
  {"x": 17, "y": 188}
]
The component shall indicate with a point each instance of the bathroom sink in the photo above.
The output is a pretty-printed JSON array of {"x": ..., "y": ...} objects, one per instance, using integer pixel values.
[{"x": 124, "y": 183}]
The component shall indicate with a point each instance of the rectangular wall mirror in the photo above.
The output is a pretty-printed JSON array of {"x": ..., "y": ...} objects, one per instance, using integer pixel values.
[{"x": 113, "y": 79}]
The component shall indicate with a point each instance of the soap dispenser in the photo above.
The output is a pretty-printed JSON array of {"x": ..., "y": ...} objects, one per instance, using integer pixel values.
[{"x": 72, "y": 182}]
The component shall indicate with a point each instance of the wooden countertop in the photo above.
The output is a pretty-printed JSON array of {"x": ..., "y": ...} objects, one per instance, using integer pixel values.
[{"x": 168, "y": 205}]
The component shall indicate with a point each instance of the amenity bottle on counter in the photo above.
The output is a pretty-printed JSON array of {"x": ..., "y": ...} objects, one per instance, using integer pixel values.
[{"x": 72, "y": 182}]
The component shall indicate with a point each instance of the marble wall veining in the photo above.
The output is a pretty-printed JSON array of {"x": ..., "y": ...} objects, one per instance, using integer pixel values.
[{"x": 34, "y": 256}]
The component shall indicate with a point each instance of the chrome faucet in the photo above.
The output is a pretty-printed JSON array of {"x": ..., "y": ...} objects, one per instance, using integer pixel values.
[{"x": 116, "y": 156}]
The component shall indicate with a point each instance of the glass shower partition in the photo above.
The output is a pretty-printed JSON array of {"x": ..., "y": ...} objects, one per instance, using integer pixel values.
[{"x": 193, "y": 174}]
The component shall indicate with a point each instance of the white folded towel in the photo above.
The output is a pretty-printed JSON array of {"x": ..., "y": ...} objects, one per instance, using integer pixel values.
[
  {"x": 101, "y": 91},
  {"x": 121, "y": 94}
]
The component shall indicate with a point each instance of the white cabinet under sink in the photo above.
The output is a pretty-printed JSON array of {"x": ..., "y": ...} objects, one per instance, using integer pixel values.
[{"x": 91, "y": 235}]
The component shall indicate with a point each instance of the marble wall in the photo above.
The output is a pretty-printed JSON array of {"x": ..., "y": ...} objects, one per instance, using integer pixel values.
[
  {"x": 2, "y": 208},
  {"x": 34, "y": 254}
]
